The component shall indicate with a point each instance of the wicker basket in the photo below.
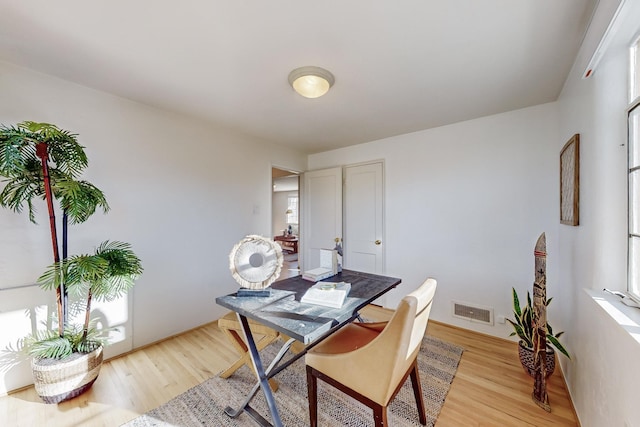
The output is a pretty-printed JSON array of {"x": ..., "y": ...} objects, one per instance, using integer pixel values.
[
  {"x": 59, "y": 380},
  {"x": 526, "y": 358}
]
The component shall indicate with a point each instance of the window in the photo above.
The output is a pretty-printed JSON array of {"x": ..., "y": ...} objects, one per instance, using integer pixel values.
[
  {"x": 292, "y": 210},
  {"x": 634, "y": 79},
  {"x": 634, "y": 171}
]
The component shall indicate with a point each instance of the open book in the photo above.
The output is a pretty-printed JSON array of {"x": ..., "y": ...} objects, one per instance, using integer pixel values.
[{"x": 329, "y": 294}]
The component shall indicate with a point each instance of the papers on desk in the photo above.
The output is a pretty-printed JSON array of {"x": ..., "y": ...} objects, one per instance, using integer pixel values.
[
  {"x": 328, "y": 294},
  {"x": 317, "y": 274}
]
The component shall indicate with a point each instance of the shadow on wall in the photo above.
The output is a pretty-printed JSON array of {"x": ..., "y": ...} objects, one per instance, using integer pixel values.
[{"x": 23, "y": 310}]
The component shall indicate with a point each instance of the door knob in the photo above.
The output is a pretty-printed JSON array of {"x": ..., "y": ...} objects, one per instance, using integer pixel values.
[{"x": 378, "y": 242}]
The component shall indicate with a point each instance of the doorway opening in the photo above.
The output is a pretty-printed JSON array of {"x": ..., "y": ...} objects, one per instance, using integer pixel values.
[{"x": 285, "y": 217}]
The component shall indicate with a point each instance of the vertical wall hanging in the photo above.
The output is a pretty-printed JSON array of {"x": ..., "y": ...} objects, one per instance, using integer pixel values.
[{"x": 570, "y": 181}]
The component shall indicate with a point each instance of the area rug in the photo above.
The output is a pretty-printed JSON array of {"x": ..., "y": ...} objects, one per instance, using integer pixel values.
[{"x": 203, "y": 405}]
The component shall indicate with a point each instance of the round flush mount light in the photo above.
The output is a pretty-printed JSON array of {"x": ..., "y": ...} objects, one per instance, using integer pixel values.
[{"x": 311, "y": 82}]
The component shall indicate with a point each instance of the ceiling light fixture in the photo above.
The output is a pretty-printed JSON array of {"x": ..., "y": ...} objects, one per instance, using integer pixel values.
[{"x": 311, "y": 82}]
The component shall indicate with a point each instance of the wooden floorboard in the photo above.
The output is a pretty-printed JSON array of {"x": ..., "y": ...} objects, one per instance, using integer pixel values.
[{"x": 490, "y": 387}]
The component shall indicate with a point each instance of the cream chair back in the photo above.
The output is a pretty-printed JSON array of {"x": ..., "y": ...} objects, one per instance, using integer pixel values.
[
  {"x": 404, "y": 333},
  {"x": 423, "y": 297}
]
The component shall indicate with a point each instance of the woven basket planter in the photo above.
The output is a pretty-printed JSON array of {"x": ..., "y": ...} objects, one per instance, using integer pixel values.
[
  {"x": 526, "y": 358},
  {"x": 57, "y": 380}
]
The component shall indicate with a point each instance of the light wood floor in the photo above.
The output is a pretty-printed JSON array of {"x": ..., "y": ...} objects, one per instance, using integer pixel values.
[{"x": 490, "y": 387}]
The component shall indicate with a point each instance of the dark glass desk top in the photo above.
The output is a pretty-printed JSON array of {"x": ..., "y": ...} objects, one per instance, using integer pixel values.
[{"x": 284, "y": 312}]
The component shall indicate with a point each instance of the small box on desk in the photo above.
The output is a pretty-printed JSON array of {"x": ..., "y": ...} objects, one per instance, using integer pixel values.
[
  {"x": 328, "y": 266},
  {"x": 245, "y": 292}
]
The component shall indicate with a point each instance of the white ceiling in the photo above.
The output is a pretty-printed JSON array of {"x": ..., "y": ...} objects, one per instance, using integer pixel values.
[{"x": 400, "y": 66}]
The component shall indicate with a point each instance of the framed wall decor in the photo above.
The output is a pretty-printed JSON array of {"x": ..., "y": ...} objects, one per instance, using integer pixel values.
[{"x": 570, "y": 181}]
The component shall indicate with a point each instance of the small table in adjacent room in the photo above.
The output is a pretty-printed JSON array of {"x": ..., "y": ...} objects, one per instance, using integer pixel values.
[
  {"x": 309, "y": 324},
  {"x": 288, "y": 242}
]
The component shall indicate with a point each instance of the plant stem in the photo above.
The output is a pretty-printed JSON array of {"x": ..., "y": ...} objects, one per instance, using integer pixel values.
[
  {"x": 41, "y": 152},
  {"x": 87, "y": 316},
  {"x": 65, "y": 293}
]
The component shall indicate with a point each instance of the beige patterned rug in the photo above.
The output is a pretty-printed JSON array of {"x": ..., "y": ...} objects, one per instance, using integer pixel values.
[{"x": 203, "y": 405}]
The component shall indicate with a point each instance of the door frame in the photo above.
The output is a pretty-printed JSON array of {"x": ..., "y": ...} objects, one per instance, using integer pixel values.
[{"x": 293, "y": 172}]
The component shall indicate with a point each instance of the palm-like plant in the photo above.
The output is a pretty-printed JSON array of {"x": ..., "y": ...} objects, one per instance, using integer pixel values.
[
  {"x": 41, "y": 161},
  {"x": 523, "y": 325},
  {"x": 106, "y": 275}
]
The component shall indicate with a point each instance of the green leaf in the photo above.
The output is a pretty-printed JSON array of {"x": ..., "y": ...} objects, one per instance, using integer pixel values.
[
  {"x": 52, "y": 277},
  {"x": 23, "y": 169},
  {"x": 53, "y": 348},
  {"x": 527, "y": 322},
  {"x": 79, "y": 199},
  {"x": 521, "y": 333},
  {"x": 523, "y": 325},
  {"x": 557, "y": 345},
  {"x": 62, "y": 146},
  {"x": 516, "y": 303}
]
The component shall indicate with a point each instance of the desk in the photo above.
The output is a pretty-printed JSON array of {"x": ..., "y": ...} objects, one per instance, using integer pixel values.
[
  {"x": 306, "y": 323},
  {"x": 288, "y": 243}
]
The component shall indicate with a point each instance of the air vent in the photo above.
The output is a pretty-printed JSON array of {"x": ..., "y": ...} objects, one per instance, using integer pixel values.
[{"x": 473, "y": 312}]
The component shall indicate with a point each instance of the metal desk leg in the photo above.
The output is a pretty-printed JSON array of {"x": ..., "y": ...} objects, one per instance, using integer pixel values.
[{"x": 262, "y": 379}]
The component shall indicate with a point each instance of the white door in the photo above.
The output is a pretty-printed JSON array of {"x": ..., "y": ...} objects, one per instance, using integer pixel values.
[
  {"x": 321, "y": 215},
  {"x": 363, "y": 218}
]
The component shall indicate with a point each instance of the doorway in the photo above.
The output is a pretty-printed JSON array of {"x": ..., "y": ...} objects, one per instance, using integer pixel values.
[{"x": 285, "y": 218}]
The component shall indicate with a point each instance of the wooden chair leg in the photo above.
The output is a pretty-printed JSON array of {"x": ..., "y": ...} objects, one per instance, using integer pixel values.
[
  {"x": 379, "y": 411},
  {"x": 380, "y": 416},
  {"x": 417, "y": 392},
  {"x": 312, "y": 390}
]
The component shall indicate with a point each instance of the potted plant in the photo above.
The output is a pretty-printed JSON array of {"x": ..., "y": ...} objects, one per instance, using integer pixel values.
[
  {"x": 523, "y": 327},
  {"x": 40, "y": 161}
]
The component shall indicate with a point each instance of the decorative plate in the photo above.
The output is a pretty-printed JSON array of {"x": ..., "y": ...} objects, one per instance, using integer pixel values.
[{"x": 255, "y": 262}]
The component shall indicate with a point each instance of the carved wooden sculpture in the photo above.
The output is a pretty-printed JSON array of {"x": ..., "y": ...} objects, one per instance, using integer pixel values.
[{"x": 540, "y": 324}]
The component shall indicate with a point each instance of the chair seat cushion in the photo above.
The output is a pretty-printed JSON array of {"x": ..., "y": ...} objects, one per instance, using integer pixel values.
[{"x": 349, "y": 338}]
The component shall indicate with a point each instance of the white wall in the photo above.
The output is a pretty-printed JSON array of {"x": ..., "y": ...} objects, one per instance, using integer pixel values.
[
  {"x": 602, "y": 377},
  {"x": 466, "y": 203},
  {"x": 182, "y": 192}
]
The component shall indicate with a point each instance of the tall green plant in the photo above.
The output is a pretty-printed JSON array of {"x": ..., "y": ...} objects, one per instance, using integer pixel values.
[
  {"x": 106, "y": 275},
  {"x": 41, "y": 161},
  {"x": 523, "y": 324}
]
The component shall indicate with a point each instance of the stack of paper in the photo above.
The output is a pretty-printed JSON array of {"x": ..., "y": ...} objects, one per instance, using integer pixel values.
[
  {"x": 329, "y": 294},
  {"x": 328, "y": 266},
  {"x": 317, "y": 274}
]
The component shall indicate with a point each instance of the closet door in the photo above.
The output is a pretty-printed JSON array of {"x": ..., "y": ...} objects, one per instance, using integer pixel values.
[
  {"x": 321, "y": 215},
  {"x": 363, "y": 218}
]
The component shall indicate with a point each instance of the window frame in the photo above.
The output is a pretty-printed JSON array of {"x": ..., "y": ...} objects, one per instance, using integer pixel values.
[
  {"x": 633, "y": 170},
  {"x": 634, "y": 71}
]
